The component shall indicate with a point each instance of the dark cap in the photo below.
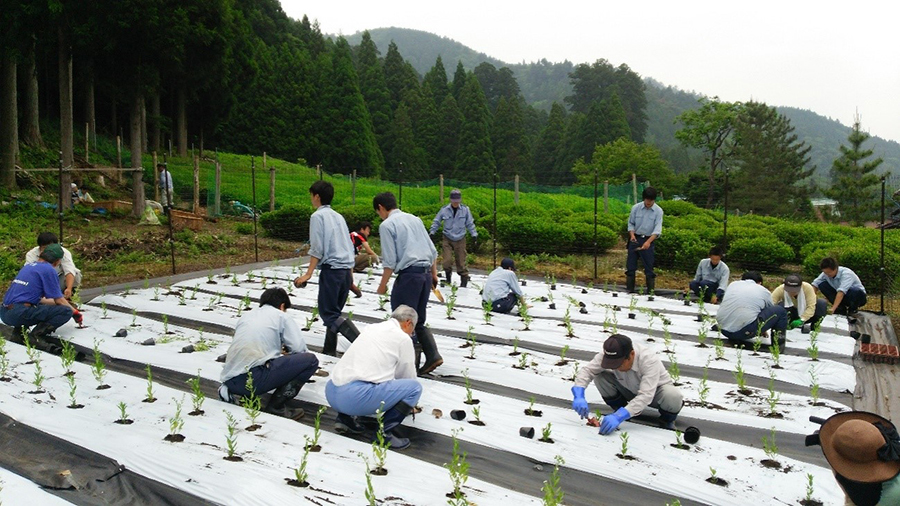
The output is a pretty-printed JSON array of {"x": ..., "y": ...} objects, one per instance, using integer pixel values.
[
  {"x": 455, "y": 196},
  {"x": 507, "y": 263},
  {"x": 52, "y": 252},
  {"x": 615, "y": 350},
  {"x": 792, "y": 283}
]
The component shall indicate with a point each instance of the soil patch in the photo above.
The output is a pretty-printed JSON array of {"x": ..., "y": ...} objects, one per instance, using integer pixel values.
[
  {"x": 174, "y": 438},
  {"x": 103, "y": 387},
  {"x": 626, "y": 457},
  {"x": 127, "y": 421},
  {"x": 233, "y": 458},
  {"x": 379, "y": 471},
  {"x": 253, "y": 427},
  {"x": 534, "y": 412},
  {"x": 546, "y": 440},
  {"x": 680, "y": 446},
  {"x": 295, "y": 483},
  {"x": 717, "y": 481},
  {"x": 151, "y": 400},
  {"x": 477, "y": 422},
  {"x": 770, "y": 464},
  {"x": 196, "y": 412},
  {"x": 472, "y": 402},
  {"x": 314, "y": 448},
  {"x": 75, "y": 406}
]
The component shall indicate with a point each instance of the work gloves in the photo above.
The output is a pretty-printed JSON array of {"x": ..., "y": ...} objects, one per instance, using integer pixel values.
[
  {"x": 580, "y": 405},
  {"x": 612, "y": 421},
  {"x": 77, "y": 316},
  {"x": 795, "y": 324}
]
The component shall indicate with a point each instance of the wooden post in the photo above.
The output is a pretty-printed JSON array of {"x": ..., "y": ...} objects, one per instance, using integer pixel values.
[
  {"x": 271, "y": 184},
  {"x": 87, "y": 143},
  {"x": 353, "y": 188},
  {"x": 516, "y": 193},
  {"x": 634, "y": 186},
  {"x": 155, "y": 177},
  {"x": 217, "y": 191},
  {"x": 196, "y": 185},
  {"x": 606, "y": 197},
  {"x": 170, "y": 147},
  {"x": 119, "y": 157},
  {"x": 441, "y": 177}
]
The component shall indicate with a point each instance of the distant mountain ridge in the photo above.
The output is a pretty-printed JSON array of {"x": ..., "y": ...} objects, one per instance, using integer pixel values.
[{"x": 544, "y": 82}]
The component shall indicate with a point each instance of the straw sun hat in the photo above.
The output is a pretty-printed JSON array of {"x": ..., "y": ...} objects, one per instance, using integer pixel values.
[{"x": 851, "y": 442}]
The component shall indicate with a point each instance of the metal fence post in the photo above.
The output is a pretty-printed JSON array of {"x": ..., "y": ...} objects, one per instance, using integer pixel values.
[
  {"x": 217, "y": 195},
  {"x": 196, "y": 209},
  {"x": 634, "y": 186},
  {"x": 253, "y": 182},
  {"x": 883, "y": 272},
  {"x": 441, "y": 179},
  {"x": 400, "y": 198},
  {"x": 596, "y": 197},
  {"x": 167, "y": 207},
  {"x": 725, "y": 215},
  {"x": 59, "y": 205},
  {"x": 271, "y": 183},
  {"x": 606, "y": 197},
  {"x": 495, "y": 221}
]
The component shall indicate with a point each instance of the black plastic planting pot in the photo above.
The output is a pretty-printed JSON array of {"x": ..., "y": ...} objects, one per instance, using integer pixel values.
[
  {"x": 458, "y": 414},
  {"x": 692, "y": 435},
  {"x": 527, "y": 432},
  {"x": 631, "y": 316}
]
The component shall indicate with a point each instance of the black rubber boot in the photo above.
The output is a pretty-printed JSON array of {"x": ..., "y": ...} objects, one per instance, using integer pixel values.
[
  {"x": 417, "y": 349},
  {"x": 433, "y": 359},
  {"x": 651, "y": 285},
  {"x": 330, "y": 346},
  {"x": 463, "y": 281},
  {"x": 448, "y": 273},
  {"x": 40, "y": 338},
  {"x": 277, "y": 404},
  {"x": 629, "y": 283},
  {"x": 348, "y": 329},
  {"x": 393, "y": 418},
  {"x": 346, "y": 424}
]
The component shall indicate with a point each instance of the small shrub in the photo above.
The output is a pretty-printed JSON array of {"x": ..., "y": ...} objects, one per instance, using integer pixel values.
[
  {"x": 291, "y": 222},
  {"x": 760, "y": 253}
]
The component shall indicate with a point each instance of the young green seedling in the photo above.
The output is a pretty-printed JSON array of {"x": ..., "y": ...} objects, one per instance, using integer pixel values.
[
  {"x": 4, "y": 360},
  {"x": 703, "y": 386},
  {"x": 720, "y": 348},
  {"x": 370, "y": 491},
  {"x": 165, "y": 321},
  {"x": 39, "y": 377},
  {"x": 814, "y": 385},
  {"x": 134, "y": 317},
  {"x": 486, "y": 308},
  {"x": 553, "y": 493},
  {"x": 123, "y": 413},
  {"x": 809, "y": 488},
  {"x": 103, "y": 311},
  {"x": 176, "y": 423},
  {"x": 773, "y": 397},
  {"x": 674, "y": 370},
  {"x": 251, "y": 403},
  {"x": 459, "y": 471},
  {"x": 545, "y": 432},
  {"x": 381, "y": 444},
  {"x": 769, "y": 446},
  {"x": 230, "y": 435},
  {"x": 562, "y": 354},
  {"x": 150, "y": 397},
  {"x": 313, "y": 444},
  {"x": 156, "y": 292},
  {"x": 739, "y": 374},
  {"x": 301, "y": 477},
  {"x": 197, "y": 396},
  {"x": 477, "y": 412},
  {"x": 470, "y": 337},
  {"x": 523, "y": 361},
  {"x": 73, "y": 403},
  {"x": 67, "y": 356},
  {"x": 623, "y": 436},
  {"x": 469, "y": 399},
  {"x": 99, "y": 367}
]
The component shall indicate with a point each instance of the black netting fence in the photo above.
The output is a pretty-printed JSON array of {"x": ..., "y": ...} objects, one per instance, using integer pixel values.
[{"x": 231, "y": 209}]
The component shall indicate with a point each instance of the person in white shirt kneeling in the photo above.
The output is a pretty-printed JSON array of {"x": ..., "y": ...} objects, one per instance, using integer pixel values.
[{"x": 378, "y": 371}]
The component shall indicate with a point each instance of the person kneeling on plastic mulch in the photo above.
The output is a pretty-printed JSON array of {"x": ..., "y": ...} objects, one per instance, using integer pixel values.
[{"x": 629, "y": 378}]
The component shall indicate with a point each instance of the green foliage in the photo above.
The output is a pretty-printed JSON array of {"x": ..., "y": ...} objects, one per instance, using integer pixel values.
[
  {"x": 67, "y": 356},
  {"x": 458, "y": 468},
  {"x": 864, "y": 259},
  {"x": 553, "y": 493},
  {"x": 251, "y": 403},
  {"x": 150, "y": 397},
  {"x": 197, "y": 396},
  {"x": 769, "y": 445},
  {"x": 99, "y": 367},
  {"x": 291, "y": 222},
  {"x": 760, "y": 253},
  {"x": 231, "y": 433},
  {"x": 854, "y": 183},
  {"x": 123, "y": 413},
  {"x": 680, "y": 249},
  {"x": 617, "y": 161},
  {"x": 176, "y": 422},
  {"x": 381, "y": 444}
]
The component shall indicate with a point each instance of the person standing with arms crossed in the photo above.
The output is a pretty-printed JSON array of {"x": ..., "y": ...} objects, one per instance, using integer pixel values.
[
  {"x": 331, "y": 250},
  {"x": 407, "y": 250},
  {"x": 457, "y": 218},
  {"x": 644, "y": 226}
]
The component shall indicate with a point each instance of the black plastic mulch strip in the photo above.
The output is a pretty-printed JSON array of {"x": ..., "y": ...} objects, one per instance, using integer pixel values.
[{"x": 77, "y": 474}]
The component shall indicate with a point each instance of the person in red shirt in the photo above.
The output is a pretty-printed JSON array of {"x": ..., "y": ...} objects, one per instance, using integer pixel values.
[{"x": 365, "y": 257}]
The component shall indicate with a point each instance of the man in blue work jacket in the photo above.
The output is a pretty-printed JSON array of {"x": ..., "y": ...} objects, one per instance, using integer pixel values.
[
  {"x": 644, "y": 226},
  {"x": 457, "y": 218}
]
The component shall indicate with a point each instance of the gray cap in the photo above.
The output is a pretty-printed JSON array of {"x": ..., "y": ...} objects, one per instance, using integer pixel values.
[{"x": 455, "y": 196}]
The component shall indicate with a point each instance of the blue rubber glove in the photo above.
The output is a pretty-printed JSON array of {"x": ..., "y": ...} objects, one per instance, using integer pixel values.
[
  {"x": 580, "y": 405},
  {"x": 612, "y": 421}
]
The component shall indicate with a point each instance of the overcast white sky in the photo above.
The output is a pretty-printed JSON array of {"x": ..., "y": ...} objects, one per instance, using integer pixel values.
[{"x": 830, "y": 57}]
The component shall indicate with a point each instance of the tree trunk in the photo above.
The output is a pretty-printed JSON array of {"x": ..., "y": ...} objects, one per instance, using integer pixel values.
[
  {"x": 9, "y": 132},
  {"x": 113, "y": 116},
  {"x": 66, "y": 127},
  {"x": 181, "y": 116},
  {"x": 712, "y": 179},
  {"x": 137, "y": 108},
  {"x": 155, "y": 117},
  {"x": 144, "y": 133},
  {"x": 31, "y": 128}
]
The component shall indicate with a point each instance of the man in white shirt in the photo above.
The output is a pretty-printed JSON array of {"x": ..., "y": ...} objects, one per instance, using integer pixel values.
[
  {"x": 629, "y": 378},
  {"x": 502, "y": 287},
  {"x": 69, "y": 275},
  {"x": 378, "y": 371},
  {"x": 166, "y": 187},
  {"x": 711, "y": 278},
  {"x": 259, "y": 338}
]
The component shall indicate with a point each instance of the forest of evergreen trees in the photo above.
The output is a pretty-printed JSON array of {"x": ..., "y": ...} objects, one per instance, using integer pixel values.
[{"x": 239, "y": 75}]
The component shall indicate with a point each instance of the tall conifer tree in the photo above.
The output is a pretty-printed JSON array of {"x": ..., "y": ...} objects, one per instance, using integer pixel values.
[
  {"x": 854, "y": 184},
  {"x": 374, "y": 88},
  {"x": 475, "y": 158}
]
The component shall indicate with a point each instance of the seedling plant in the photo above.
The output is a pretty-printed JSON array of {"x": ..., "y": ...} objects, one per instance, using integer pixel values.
[
  {"x": 451, "y": 302},
  {"x": 623, "y": 437},
  {"x": 486, "y": 312},
  {"x": 197, "y": 396},
  {"x": 67, "y": 356},
  {"x": 545, "y": 433},
  {"x": 567, "y": 321},
  {"x": 773, "y": 397},
  {"x": 301, "y": 477},
  {"x": 123, "y": 414},
  {"x": 459, "y": 472},
  {"x": 73, "y": 403},
  {"x": 674, "y": 370},
  {"x": 469, "y": 399},
  {"x": 150, "y": 397},
  {"x": 769, "y": 446},
  {"x": 312, "y": 445},
  {"x": 739, "y": 375},
  {"x": 39, "y": 377},
  {"x": 526, "y": 316},
  {"x": 230, "y": 436},
  {"x": 370, "y": 491},
  {"x": 470, "y": 338},
  {"x": 251, "y": 403},
  {"x": 103, "y": 311},
  {"x": 380, "y": 445},
  {"x": 814, "y": 385},
  {"x": 99, "y": 367},
  {"x": 4, "y": 360},
  {"x": 553, "y": 493},
  {"x": 703, "y": 386},
  {"x": 720, "y": 348},
  {"x": 523, "y": 361},
  {"x": 176, "y": 423}
]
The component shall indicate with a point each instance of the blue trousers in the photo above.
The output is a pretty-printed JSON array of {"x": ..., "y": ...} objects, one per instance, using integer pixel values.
[
  {"x": 852, "y": 301},
  {"x": 26, "y": 316},
  {"x": 775, "y": 317},
  {"x": 505, "y": 304},
  {"x": 647, "y": 256},
  {"x": 361, "y": 398},
  {"x": 711, "y": 287},
  {"x": 275, "y": 373},
  {"x": 412, "y": 287},
  {"x": 334, "y": 285}
]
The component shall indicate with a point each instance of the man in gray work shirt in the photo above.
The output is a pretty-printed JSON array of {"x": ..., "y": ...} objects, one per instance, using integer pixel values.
[
  {"x": 331, "y": 250},
  {"x": 457, "y": 219},
  {"x": 644, "y": 226},
  {"x": 501, "y": 289},
  {"x": 407, "y": 250},
  {"x": 748, "y": 310}
]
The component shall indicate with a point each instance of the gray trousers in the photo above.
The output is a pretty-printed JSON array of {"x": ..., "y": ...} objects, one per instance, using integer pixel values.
[
  {"x": 668, "y": 397},
  {"x": 455, "y": 250}
]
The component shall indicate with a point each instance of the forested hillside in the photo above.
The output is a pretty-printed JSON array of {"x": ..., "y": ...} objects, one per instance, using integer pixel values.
[{"x": 543, "y": 82}]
